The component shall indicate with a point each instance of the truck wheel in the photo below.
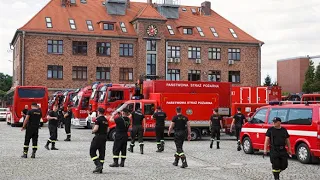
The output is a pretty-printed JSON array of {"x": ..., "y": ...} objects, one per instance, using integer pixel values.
[
  {"x": 13, "y": 125},
  {"x": 247, "y": 146},
  {"x": 112, "y": 134},
  {"x": 8, "y": 123},
  {"x": 194, "y": 134},
  {"x": 88, "y": 125},
  {"x": 303, "y": 154}
]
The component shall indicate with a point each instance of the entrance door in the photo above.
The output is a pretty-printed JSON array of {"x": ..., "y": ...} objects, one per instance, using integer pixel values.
[{"x": 245, "y": 95}]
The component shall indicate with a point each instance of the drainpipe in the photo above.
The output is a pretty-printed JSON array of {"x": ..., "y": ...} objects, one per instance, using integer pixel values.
[
  {"x": 259, "y": 64},
  {"x": 166, "y": 55},
  {"x": 22, "y": 58}
]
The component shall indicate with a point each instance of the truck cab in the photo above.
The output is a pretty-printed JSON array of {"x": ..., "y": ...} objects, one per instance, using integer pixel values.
[{"x": 81, "y": 107}]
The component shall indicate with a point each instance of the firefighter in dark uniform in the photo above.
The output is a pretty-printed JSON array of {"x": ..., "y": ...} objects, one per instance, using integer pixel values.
[
  {"x": 31, "y": 124},
  {"x": 121, "y": 138},
  {"x": 238, "y": 120},
  {"x": 215, "y": 126},
  {"x": 100, "y": 130},
  {"x": 137, "y": 130},
  {"x": 278, "y": 138},
  {"x": 67, "y": 122},
  {"x": 160, "y": 118},
  {"x": 24, "y": 112},
  {"x": 180, "y": 124},
  {"x": 60, "y": 117},
  {"x": 53, "y": 128}
]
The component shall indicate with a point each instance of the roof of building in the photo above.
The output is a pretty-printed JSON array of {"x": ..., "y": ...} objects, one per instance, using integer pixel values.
[{"x": 95, "y": 11}]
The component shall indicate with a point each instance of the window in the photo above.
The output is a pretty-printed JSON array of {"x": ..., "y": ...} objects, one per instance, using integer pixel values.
[
  {"x": 173, "y": 51},
  {"x": 173, "y": 74},
  {"x": 115, "y": 96},
  {"x": 79, "y": 72},
  {"x": 193, "y": 10},
  {"x": 103, "y": 49},
  {"x": 55, "y": 72},
  {"x": 214, "y": 53},
  {"x": 151, "y": 45},
  {"x": 107, "y": 26},
  {"x": 79, "y": 47},
  {"x": 48, "y": 22},
  {"x": 184, "y": 9},
  {"x": 200, "y": 31},
  {"x": 214, "y": 76},
  {"x": 55, "y": 46},
  {"x": 85, "y": 102},
  {"x": 126, "y": 74},
  {"x": 151, "y": 64},
  {"x": 234, "y": 54},
  {"x": 72, "y": 24},
  {"x": 281, "y": 113},
  {"x": 194, "y": 53},
  {"x": 123, "y": 27},
  {"x": 234, "y": 76},
  {"x": 126, "y": 49},
  {"x": 130, "y": 107},
  {"x": 90, "y": 26},
  {"x": 149, "y": 109},
  {"x": 233, "y": 33},
  {"x": 259, "y": 117},
  {"x": 214, "y": 32},
  {"x": 187, "y": 30},
  {"x": 103, "y": 73},
  {"x": 194, "y": 75},
  {"x": 300, "y": 117},
  {"x": 72, "y": 1},
  {"x": 31, "y": 93},
  {"x": 170, "y": 30}
]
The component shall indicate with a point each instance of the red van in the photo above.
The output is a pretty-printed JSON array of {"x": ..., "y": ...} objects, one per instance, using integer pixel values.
[{"x": 302, "y": 122}]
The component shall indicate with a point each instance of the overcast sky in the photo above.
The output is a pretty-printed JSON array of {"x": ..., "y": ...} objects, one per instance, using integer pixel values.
[{"x": 289, "y": 28}]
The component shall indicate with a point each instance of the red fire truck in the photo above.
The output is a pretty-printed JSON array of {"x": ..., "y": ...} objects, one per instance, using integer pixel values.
[
  {"x": 197, "y": 100},
  {"x": 81, "y": 107},
  {"x": 56, "y": 99},
  {"x": 262, "y": 94},
  {"x": 67, "y": 98}
]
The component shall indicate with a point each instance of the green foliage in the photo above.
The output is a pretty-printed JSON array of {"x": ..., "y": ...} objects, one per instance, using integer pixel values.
[
  {"x": 308, "y": 85},
  {"x": 5, "y": 84},
  {"x": 267, "y": 81},
  {"x": 316, "y": 84},
  {"x": 285, "y": 94}
]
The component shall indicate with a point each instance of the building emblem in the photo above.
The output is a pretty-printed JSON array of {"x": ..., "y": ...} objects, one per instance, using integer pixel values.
[
  {"x": 152, "y": 30},
  {"x": 189, "y": 112}
]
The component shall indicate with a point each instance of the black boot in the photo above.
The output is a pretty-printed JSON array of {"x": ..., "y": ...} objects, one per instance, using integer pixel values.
[
  {"x": 141, "y": 148},
  {"x": 24, "y": 155},
  {"x": 98, "y": 166},
  {"x": 53, "y": 146},
  {"x": 102, "y": 162},
  {"x": 211, "y": 144},
  {"x": 25, "y": 151},
  {"x": 176, "y": 160},
  {"x": 162, "y": 146},
  {"x": 239, "y": 146},
  {"x": 68, "y": 138},
  {"x": 218, "y": 143},
  {"x": 47, "y": 145},
  {"x": 276, "y": 175},
  {"x": 33, "y": 153},
  {"x": 130, "y": 149},
  {"x": 158, "y": 147},
  {"x": 122, "y": 162},
  {"x": 184, "y": 161},
  {"x": 115, "y": 163}
]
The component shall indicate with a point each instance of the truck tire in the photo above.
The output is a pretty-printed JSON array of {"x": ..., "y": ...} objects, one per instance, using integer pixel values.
[
  {"x": 88, "y": 125},
  {"x": 195, "y": 134},
  {"x": 112, "y": 134},
  {"x": 13, "y": 125},
  {"x": 8, "y": 123},
  {"x": 303, "y": 153},
  {"x": 247, "y": 146}
]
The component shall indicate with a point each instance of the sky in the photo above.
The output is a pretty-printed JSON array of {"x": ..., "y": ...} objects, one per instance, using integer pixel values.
[{"x": 289, "y": 28}]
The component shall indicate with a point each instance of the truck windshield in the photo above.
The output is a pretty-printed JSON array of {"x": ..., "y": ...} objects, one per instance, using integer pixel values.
[
  {"x": 93, "y": 93},
  {"x": 75, "y": 100},
  {"x": 103, "y": 93},
  {"x": 31, "y": 93},
  {"x": 129, "y": 106},
  {"x": 115, "y": 95}
]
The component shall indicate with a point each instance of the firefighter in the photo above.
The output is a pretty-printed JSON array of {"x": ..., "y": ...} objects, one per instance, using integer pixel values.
[
  {"x": 215, "y": 126},
  {"x": 24, "y": 112},
  {"x": 31, "y": 124},
  {"x": 121, "y": 137},
  {"x": 100, "y": 130},
  {"x": 137, "y": 120},
  {"x": 67, "y": 121},
  {"x": 53, "y": 128},
  {"x": 160, "y": 118},
  {"x": 180, "y": 124},
  {"x": 60, "y": 117},
  {"x": 278, "y": 138},
  {"x": 238, "y": 120}
]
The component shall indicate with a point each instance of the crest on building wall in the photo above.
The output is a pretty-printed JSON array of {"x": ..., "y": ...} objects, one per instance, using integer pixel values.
[{"x": 152, "y": 30}]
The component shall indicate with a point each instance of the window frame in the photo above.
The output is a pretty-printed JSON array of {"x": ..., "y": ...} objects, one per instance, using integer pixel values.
[
  {"x": 214, "y": 32},
  {"x": 153, "y": 66},
  {"x": 106, "y": 49},
  {"x": 194, "y": 51},
  {"x": 172, "y": 52},
  {"x": 265, "y": 116},
  {"x": 125, "y": 70},
  {"x": 306, "y": 109},
  {"x": 48, "y": 21},
  {"x": 200, "y": 31},
  {"x": 234, "y": 54},
  {"x": 78, "y": 44},
  {"x": 89, "y": 24},
  {"x": 106, "y": 70},
  {"x": 215, "y": 73},
  {"x": 108, "y": 25},
  {"x": 174, "y": 74},
  {"x": 194, "y": 72},
  {"x": 234, "y": 73},
  {"x": 53, "y": 68},
  {"x": 126, "y": 46},
  {"x": 58, "y": 45},
  {"x": 212, "y": 51},
  {"x": 72, "y": 23},
  {"x": 171, "y": 32},
  {"x": 233, "y": 33},
  {"x": 151, "y": 45},
  {"x": 81, "y": 70},
  {"x": 123, "y": 27},
  {"x": 270, "y": 118},
  {"x": 188, "y": 31}
]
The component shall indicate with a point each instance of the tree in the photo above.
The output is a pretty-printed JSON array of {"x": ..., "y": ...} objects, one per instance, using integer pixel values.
[
  {"x": 5, "y": 82},
  {"x": 267, "y": 81},
  {"x": 309, "y": 79},
  {"x": 316, "y": 84},
  {"x": 275, "y": 83}
]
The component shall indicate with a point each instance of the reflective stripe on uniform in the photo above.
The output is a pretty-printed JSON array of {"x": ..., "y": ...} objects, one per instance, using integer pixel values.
[
  {"x": 181, "y": 154},
  {"x": 218, "y": 140},
  {"x": 276, "y": 170},
  {"x": 50, "y": 140},
  {"x": 94, "y": 158},
  {"x": 25, "y": 146},
  {"x": 123, "y": 157},
  {"x": 140, "y": 143},
  {"x": 212, "y": 139},
  {"x": 35, "y": 147},
  {"x": 162, "y": 140},
  {"x": 69, "y": 134},
  {"x": 25, "y": 152},
  {"x": 115, "y": 156},
  {"x": 177, "y": 154},
  {"x": 102, "y": 161},
  {"x": 158, "y": 143}
]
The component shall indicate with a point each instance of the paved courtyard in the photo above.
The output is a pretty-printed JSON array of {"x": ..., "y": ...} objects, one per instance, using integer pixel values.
[{"x": 72, "y": 161}]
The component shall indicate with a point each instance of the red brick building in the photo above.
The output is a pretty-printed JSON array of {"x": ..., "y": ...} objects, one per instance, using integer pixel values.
[
  {"x": 291, "y": 73},
  {"x": 71, "y": 43}
]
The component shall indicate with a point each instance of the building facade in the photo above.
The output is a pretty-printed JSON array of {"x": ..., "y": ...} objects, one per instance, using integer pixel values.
[
  {"x": 71, "y": 43},
  {"x": 291, "y": 73}
]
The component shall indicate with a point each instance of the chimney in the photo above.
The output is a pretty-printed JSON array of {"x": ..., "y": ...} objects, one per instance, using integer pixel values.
[
  {"x": 149, "y": 2},
  {"x": 128, "y": 3},
  {"x": 206, "y": 8}
]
